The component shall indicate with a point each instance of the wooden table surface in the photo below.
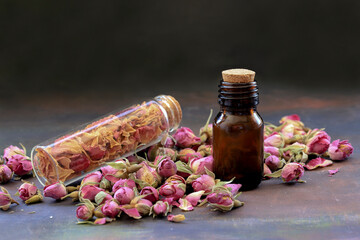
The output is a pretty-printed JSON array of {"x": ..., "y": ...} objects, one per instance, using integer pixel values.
[{"x": 322, "y": 208}]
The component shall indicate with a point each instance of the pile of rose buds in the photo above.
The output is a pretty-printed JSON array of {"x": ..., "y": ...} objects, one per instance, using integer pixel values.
[
  {"x": 177, "y": 172},
  {"x": 291, "y": 147}
]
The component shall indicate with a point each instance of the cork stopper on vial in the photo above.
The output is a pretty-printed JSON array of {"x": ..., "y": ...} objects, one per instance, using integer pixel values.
[{"x": 238, "y": 75}]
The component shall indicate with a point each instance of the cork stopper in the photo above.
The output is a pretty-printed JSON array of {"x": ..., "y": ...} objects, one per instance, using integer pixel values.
[{"x": 238, "y": 75}]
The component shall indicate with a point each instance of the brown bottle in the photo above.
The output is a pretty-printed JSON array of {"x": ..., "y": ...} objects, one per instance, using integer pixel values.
[{"x": 238, "y": 130}]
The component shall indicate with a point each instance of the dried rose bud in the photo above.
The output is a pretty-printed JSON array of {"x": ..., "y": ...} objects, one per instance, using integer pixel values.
[
  {"x": 274, "y": 140},
  {"x": 111, "y": 174},
  {"x": 292, "y": 172},
  {"x": 176, "y": 218},
  {"x": 148, "y": 175},
  {"x": 205, "y": 150},
  {"x": 27, "y": 190},
  {"x": 85, "y": 211},
  {"x": 317, "y": 141},
  {"x": 5, "y": 174},
  {"x": 5, "y": 199},
  {"x": 194, "y": 197},
  {"x": 90, "y": 191},
  {"x": 152, "y": 152},
  {"x": 123, "y": 183},
  {"x": 167, "y": 152},
  {"x": 124, "y": 195},
  {"x": 175, "y": 178},
  {"x": 169, "y": 142},
  {"x": 173, "y": 190},
  {"x": 160, "y": 208},
  {"x": 19, "y": 164},
  {"x": 206, "y": 133},
  {"x": 266, "y": 170},
  {"x": 94, "y": 177},
  {"x": 340, "y": 150},
  {"x": 187, "y": 154},
  {"x": 204, "y": 182},
  {"x": 111, "y": 209},
  {"x": 185, "y": 138},
  {"x": 166, "y": 168},
  {"x": 234, "y": 188},
  {"x": 143, "y": 206},
  {"x": 199, "y": 165},
  {"x": 159, "y": 158},
  {"x": 273, "y": 162},
  {"x": 293, "y": 117},
  {"x": 55, "y": 191},
  {"x": 11, "y": 151},
  {"x": 102, "y": 197},
  {"x": 221, "y": 201},
  {"x": 98, "y": 213},
  {"x": 151, "y": 194},
  {"x": 272, "y": 150}
]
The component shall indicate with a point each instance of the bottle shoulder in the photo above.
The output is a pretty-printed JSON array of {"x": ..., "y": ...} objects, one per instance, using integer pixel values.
[{"x": 251, "y": 120}]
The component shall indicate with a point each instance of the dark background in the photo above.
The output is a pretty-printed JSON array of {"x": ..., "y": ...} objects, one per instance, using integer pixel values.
[{"x": 63, "y": 63}]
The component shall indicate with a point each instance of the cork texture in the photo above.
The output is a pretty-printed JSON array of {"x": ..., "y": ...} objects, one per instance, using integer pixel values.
[{"x": 238, "y": 75}]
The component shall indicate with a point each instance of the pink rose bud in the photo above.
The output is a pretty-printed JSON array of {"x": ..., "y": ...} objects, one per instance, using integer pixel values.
[
  {"x": 169, "y": 143},
  {"x": 55, "y": 191},
  {"x": 204, "y": 182},
  {"x": 166, "y": 152},
  {"x": 274, "y": 140},
  {"x": 143, "y": 206},
  {"x": 27, "y": 190},
  {"x": 84, "y": 212},
  {"x": 266, "y": 170},
  {"x": 272, "y": 150},
  {"x": 151, "y": 194},
  {"x": 221, "y": 201},
  {"x": 187, "y": 154},
  {"x": 175, "y": 178},
  {"x": 293, "y": 117},
  {"x": 90, "y": 191},
  {"x": 273, "y": 162},
  {"x": 206, "y": 133},
  {"x": 5, "y": 199},
  {"x": 205, "y": 150},
  {"x": 102, "y": 197},
  {"x": 318, "y": 141},
  {"x": 234, "y": 188},
  {"x": 148, "y": 175},
  {"x": 199, "y": 165},
  {"x": 124, "y": 195},
  {"x": 5, "y": 174},
  {"x": 166, "y": 168},
  {"x": 11, "y": 151},
  {"x": 185, "y": 138},
  {"x": 160, "y": 208},
  {"x": 94, "y": 177},
  {"x": 111, "y": 174},
  {"x": 123, "y": 183},
  {"x": 340, "y": 150},
  {"x": 19, "y": 164},
  {"x": 292, "y": 172},
  {"x": 111, "y": 209},
  {"x": 173, "y": 190}
]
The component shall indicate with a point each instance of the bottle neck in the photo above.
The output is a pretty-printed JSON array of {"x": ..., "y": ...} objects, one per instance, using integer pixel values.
[
  {"x": 238, "y": 98},
  {"x": 172, "y": 110}
]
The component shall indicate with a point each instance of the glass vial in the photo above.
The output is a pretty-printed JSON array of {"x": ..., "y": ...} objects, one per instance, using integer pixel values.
[
  {"x": 117, "y": 135},
  {"x": 238, "y": 130}
]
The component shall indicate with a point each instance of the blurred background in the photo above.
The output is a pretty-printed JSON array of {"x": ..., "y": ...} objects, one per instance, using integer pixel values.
[{"x": 63, "y": 63}]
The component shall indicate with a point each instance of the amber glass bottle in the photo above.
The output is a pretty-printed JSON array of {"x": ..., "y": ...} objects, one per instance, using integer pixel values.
[{"x": 238, "y": 130}]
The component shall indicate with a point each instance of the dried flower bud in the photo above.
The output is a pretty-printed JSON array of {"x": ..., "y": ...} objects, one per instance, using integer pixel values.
[
  {"x": 19, "y": 164},
  {"x": 152, "y": 152},
  {"x": 94, "y": 177},
  {"x": 293, "y": 117},
  {"x": 102, "y": 197},
  {"x": 187, "y": 154},
  {"x": 185, "y": 138},
  {"x": 199, "y": 165},
  {"x": 167, "y": 152},
  {"x": 85, "y": 211},
  {"x": 148, "y": 175},
  {"x": 176, "y": 218},
  {"x": 273, "y": 162},
  {"x": 205, "y": 150},
  {"x": 272, "y": 150},
  {"x": 111, "y": 209},
  {"x": 169, "y": 142},
  {"x": 111, "y": 174},
  {"x": 55, "y": 191},
  {"x": 173, "y": 190},
  {"x": 233, "y": 188},
  {"x": 123, "y": 183},
  {"x": 206, "y": 132},
  {"x": 274, "y": 140},
  {"x": 166, "y": 168},
  {"x": 5, "y": 174},
  {"x": 317, "y": 141},
  {"x": 340, "y": 150},
  {"x": 160, "y": 208},
  {"x": 175, "y": 178},
  {"x": 89, "y": 192},
  {"x": 11, "y": 151},
  {"x": 124, "y": 195},
  {"x": 151, "y": 194},
  {"x": 266, "y": 170},
  {"x": 204, "y": 182},
  {"x": 292, "y": 172},
  {"x": 222, "y": 200},
  {"x": 5, "y": 199},
  {"x": 27, "y": 190},
  {"x": 143, "y": 206}
]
